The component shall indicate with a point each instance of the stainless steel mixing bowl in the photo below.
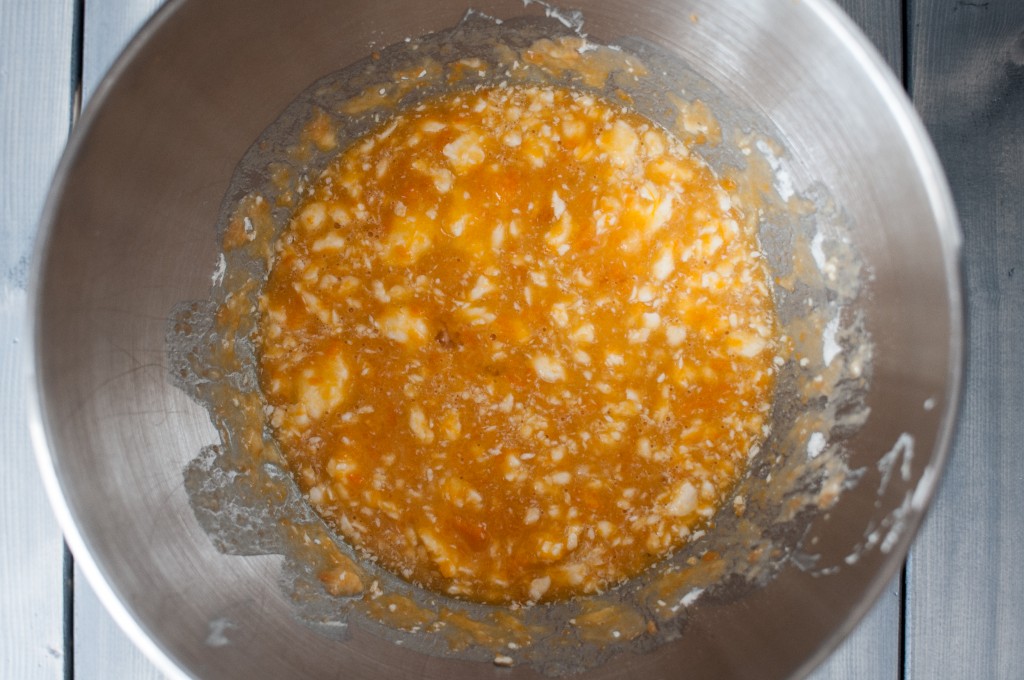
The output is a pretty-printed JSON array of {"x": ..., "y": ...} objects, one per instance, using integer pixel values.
[{"x": 128, "y": 234}]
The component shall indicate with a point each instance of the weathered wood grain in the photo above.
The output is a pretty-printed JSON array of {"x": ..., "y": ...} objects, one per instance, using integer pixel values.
[
  {"x": 965, "y": 616},
  {"x": 109, "y": 26},
  {"x": 882, "y": 23},
  {"x": 102, "y": 650},
  {"x": 35, "y": 63},
  {"x": 872, "y": 649}
]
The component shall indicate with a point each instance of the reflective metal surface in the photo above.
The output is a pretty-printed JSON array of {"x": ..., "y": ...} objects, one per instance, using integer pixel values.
[{"x": 128, "y": 234}]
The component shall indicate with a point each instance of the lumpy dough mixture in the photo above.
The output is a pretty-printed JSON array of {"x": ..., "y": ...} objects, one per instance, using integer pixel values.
[{"x": 516, "y": 345}]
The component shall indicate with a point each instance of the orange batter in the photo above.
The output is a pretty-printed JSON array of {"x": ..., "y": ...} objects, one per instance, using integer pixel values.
[{"x": 516, "y": 345}]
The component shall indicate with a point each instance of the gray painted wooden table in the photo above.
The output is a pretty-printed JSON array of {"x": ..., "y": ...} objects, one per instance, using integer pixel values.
[{"x": 958, "y": 609}]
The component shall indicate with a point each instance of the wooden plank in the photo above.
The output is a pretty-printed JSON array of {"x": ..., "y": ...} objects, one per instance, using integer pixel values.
[
  {"x": 872, "y": 650},
  {"x": 882, "y": 23},
  {"x": 965, "y": 616},
  {"x": 35, "y": 98},
  {"x": 102, "y": 650},
  {"x": 109, "y": 25}
]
